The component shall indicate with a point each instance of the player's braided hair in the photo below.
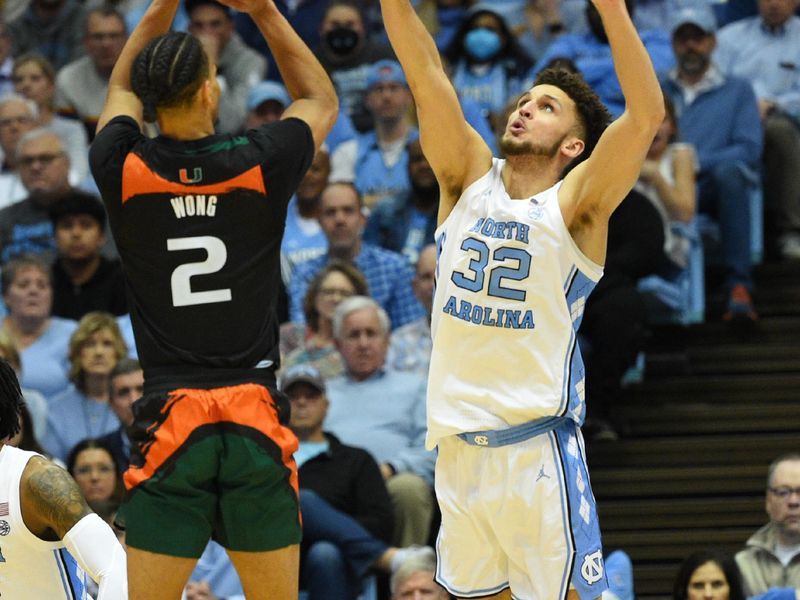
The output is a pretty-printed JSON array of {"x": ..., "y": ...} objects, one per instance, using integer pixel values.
[
  {"x": 168, "y": 72},
  {"x": 593, "y": 116},
  {"x": 10, "y": 401}
]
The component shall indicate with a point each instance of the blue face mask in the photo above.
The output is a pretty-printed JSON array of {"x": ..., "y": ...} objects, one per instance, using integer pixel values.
[{"x": 482, "y": 44}]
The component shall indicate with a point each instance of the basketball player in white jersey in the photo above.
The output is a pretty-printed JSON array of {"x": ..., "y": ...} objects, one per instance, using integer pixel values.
[
  {"x": 49, "y": 538},
  {"x": 521, "y": 244}
]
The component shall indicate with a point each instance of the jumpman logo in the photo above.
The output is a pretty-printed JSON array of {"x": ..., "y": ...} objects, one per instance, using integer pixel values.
[{"x": 542, "y": 474}]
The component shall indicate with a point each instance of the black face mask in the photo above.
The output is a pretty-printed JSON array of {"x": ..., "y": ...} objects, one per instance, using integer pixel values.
[{"x": 342, "y": 40}]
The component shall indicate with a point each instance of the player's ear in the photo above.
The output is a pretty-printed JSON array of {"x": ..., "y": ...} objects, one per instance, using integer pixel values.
[{"x": 573, "y": 146}]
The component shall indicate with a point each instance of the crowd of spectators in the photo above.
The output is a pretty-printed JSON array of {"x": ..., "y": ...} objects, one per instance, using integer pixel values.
[{"x": 358, "y": 254}]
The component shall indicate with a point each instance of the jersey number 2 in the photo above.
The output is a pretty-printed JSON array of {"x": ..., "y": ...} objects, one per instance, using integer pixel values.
[
  {"x": 217, "y": 254},
  {"x": 477, "y": 266}
]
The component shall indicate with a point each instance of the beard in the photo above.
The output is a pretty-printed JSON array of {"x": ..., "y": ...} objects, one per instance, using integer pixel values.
[
  {"x": 512, "y": 147},
  {"x": 693, "y": 63}
]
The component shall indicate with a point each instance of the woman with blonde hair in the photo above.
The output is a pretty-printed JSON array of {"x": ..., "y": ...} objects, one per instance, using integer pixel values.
[
  {"x": 82, "y": 410},
  {"x": 35, "y": 78}
]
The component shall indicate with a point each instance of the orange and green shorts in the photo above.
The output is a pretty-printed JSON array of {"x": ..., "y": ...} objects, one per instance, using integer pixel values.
[{"x": 211, "y": 463}]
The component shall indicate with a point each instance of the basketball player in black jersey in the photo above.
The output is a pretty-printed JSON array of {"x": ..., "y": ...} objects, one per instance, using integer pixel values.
[{"x": 198, "y": 220}]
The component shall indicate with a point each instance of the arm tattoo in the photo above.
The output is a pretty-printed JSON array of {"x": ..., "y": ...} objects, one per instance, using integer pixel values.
[{"x": 57, "y": 498}]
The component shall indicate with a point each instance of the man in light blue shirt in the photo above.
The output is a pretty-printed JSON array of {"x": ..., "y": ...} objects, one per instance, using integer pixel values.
[
  {"x": 765, "y": 50},
  {"x": 383, "y": 411}
]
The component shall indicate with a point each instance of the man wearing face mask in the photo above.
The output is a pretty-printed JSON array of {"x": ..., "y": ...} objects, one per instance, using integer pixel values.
[
  {"x": 347, "y": 53},
  {"x": 489, "y": 66},
  {"x": 591, "y": 53},
  {"x": 719, "y": 116}
]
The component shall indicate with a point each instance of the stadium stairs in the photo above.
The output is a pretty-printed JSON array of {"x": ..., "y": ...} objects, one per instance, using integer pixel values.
[{"x": 717, "y": 404}]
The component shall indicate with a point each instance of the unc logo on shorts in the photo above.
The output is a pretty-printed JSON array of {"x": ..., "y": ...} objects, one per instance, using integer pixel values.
[
  {"x": 481, "y": 440},
  {"x": 592, "y": 567},
  {"x": 5, "y": 528}
]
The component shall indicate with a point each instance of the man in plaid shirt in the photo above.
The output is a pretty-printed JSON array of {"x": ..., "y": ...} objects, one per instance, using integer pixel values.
[{"x": 388, "y": 274}]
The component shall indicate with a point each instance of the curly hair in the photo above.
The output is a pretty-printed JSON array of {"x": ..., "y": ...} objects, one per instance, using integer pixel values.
[
  {"x": 168, "y": 72},
  {"x": 593, "y": 116},
  {"x": 10, "y": 401}
]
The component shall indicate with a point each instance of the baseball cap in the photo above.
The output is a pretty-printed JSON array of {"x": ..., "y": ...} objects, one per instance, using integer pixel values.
[
  {"x": 699, "y": 16},
  {"x": 267, "y": 90},
  {"x": 385, "y": 71},
  {"x": 302, "y": 374}
]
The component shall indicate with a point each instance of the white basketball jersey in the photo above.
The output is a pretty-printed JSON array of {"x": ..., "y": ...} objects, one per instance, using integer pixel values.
[
  {"x": 30, "y": 568},
  {"x": 511, "y": 286}
]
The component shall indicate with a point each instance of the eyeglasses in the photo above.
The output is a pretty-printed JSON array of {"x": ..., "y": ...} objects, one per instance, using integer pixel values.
[
  {"x": 15, "y": 120},
  {"x": 45, "y": 159},
  {"x": 88, "y": 469},
  {"x": 331, "y": 292},
  {"x": 111, "y": 36},
  {"x": 784, "y": 493}
]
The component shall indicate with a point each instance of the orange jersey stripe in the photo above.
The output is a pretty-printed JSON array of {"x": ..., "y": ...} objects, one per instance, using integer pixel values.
[
  {"x": 139, "y": 179},
  {"x": 249, "y": 405}
]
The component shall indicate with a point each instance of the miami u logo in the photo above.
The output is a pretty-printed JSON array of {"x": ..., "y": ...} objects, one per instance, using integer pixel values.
[{"x": 196, "y": 177}]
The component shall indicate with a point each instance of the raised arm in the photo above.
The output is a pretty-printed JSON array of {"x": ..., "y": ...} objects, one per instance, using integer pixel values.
[
  {"x": 120, "y": 99},
  {"x": 455, "y": 151},
  {"x": 53, "y": 506},
  {"x": 601, "y": 182},
  {"x": 314, "y": 96}
]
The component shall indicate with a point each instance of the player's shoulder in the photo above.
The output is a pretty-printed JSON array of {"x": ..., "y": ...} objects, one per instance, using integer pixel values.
[{"x": 50, "y": 497}]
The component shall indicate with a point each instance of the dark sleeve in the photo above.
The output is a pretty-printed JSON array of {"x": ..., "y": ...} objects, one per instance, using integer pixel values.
[
  {"x": 372, "y": 506},
  {"x": 288, "y": 150},
  {"x": 107, "y": 156}
]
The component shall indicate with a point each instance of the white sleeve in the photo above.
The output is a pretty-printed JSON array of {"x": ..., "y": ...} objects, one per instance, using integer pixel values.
[
  {"x": 343, "y": 162},
  {"x": 93, "y": 544}
]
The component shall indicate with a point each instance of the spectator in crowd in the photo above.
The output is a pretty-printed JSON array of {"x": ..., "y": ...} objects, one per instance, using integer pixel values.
[
  {"x": 303, "y": 238},
  {"x": 347, "y": 513},
  {"x": 614, "y": 323},
  {"x": 94, "y": 468},
  {"x": 125, "y": 387},
  {"x": 305, "y": 16},
  {"x": 35, "y": 403},
  {"x": 406, "y": 222},
  {"x": 591, "y": 53},
  {"x": 771, "y": 558},
  {"x": 542, "y": 25},
  {"x": 667, "y": 179},
  {"x": 765, "y": 50},
  {"x": 379, "y": 158},
  {"x": 488, "y": 63},
  {"x": 266, "y": 101},
  {"x": 708, "y": 574},
  {"x": 82, "y": 85},
  {"x": 34, "y": 78},
  {"x": 83, "y": 279},
  {"x": 82, "y": 410},
  {"x": 413, "y": 579},
  {"x": 238, "y": 67},
  {"x": 52, "y": 28},
  {"x": 347, "y": 54},
  {"x": 442, "y": 18},
  {"x": 388, "y": 274},
  {"x": 313, "y": 342},
  {"x": 383, "y": 411},
  {"x": 6, "y": 60},
  {"x": 719, "y": 116},
  {"x": 214, "y": 577},
  {"x": 17, "y": 117},
  {"x": 410, "y": 345},
  {"x": 25, "y": 226},
  {"x": 42, "y": 340}
]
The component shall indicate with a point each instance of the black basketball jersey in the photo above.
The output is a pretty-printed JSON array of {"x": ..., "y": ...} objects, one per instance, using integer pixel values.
[{"x": 198, "y": 225}]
